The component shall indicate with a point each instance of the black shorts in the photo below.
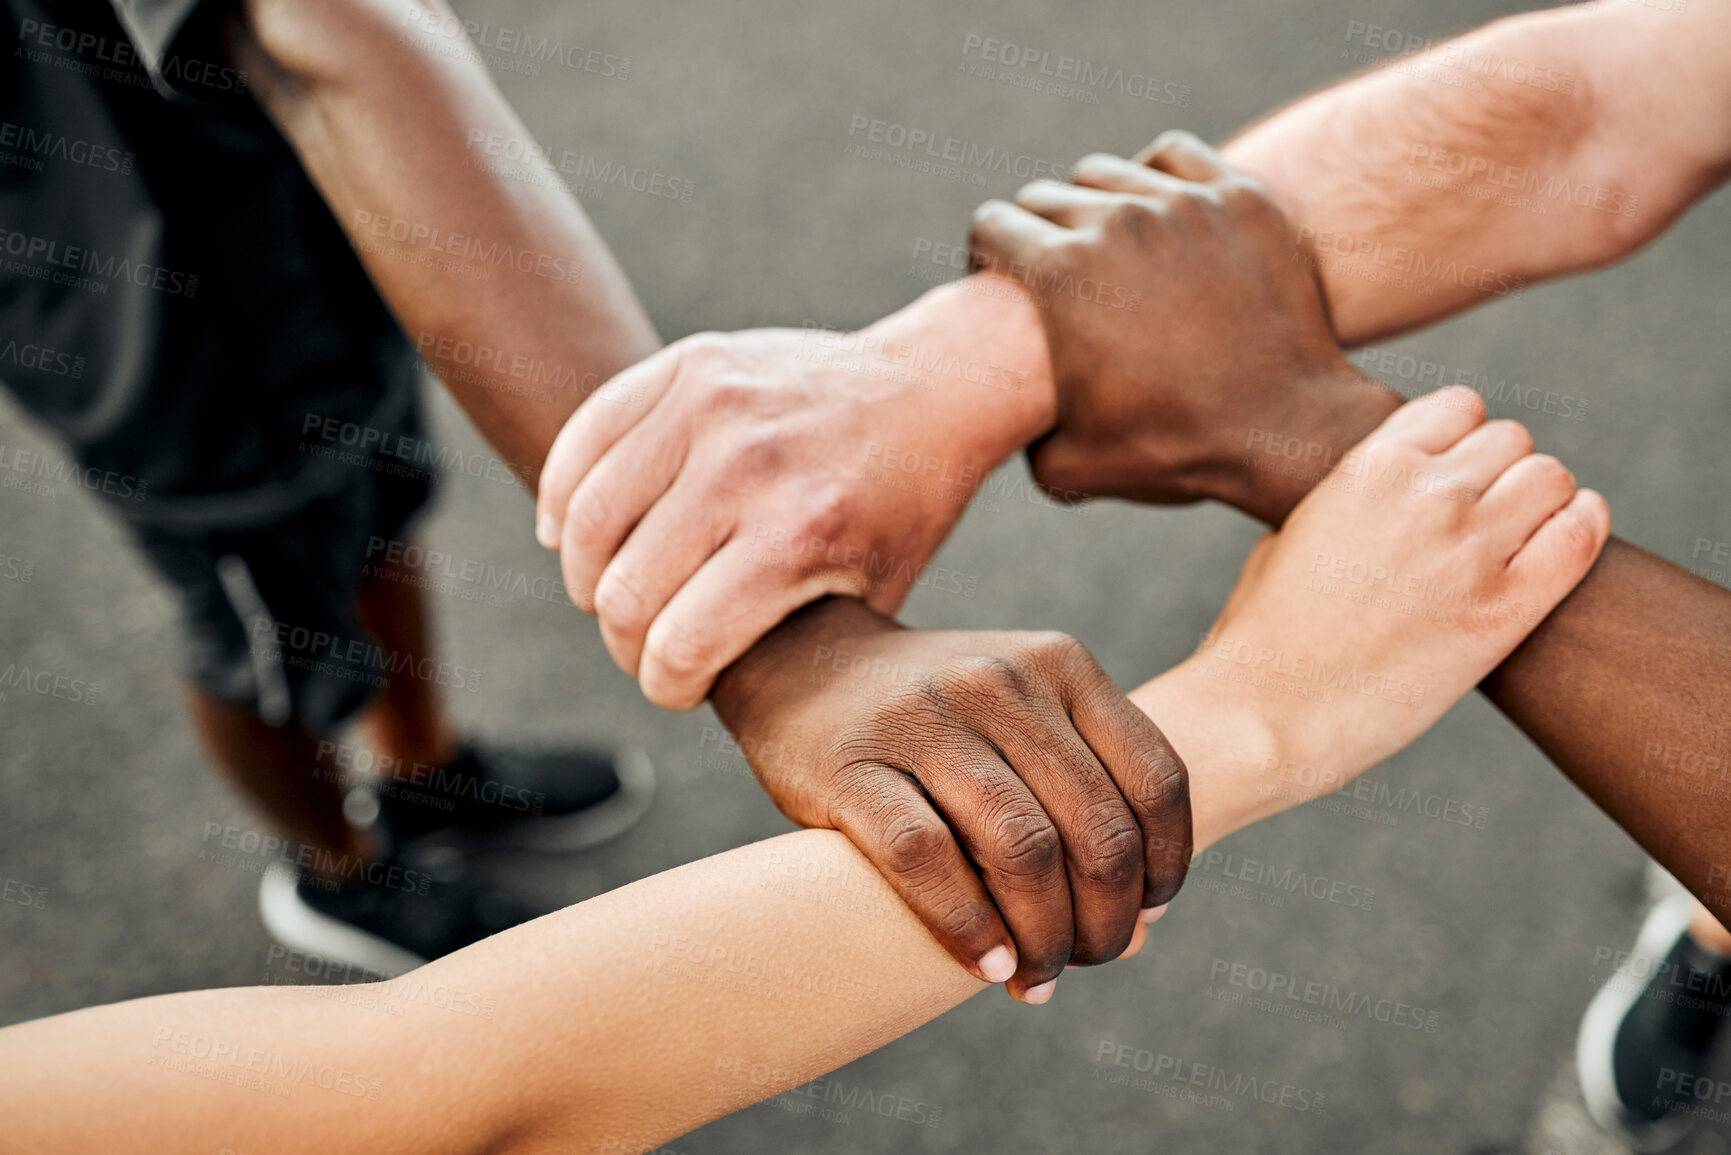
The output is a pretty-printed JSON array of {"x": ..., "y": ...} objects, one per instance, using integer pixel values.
[{"x": 306, "y": 569}]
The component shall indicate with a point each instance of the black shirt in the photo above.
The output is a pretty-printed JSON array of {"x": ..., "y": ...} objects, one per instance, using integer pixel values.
[{"x": 175, "y": 299}]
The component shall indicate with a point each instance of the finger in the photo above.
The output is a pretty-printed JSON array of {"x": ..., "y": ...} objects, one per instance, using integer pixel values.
[
  {"x": 612, "y": 498},
  {"x": 1017, "y": 849},
  {"x": 1184, "y": 155},
  {"x": 1481, "y": 456},
  {"x": 1559, "y": 554},
  {"x": 680, "y": 532},
  {"x": 1066, "y": 205},
  {"x": 1523, "y": 499},
  {"x": 1003, "y": 235},
  {"x": 1149, "y": 775},
  {"x": 1435, "y": 421},
  {"x": 1102, "y": 170},
  {"x": 736, "y": 597},
  {"x": 1102, "y": 840},
  {"x": 895, "y": 826},
  {"x": 602, "y": 419}
]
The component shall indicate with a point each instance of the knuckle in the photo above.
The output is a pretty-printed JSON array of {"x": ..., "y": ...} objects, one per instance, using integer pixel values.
[
  {"x": 1028, "y": 845},
  {"x": 1095, "y": 164},
  {"x": 1113, "y": 847},
  {"x": 1175, "y": 138},
  {"x": 1164, "y": 786},
  {"x": 682, "y": 655},
  {"x": 1580, "y": 538},
  {"x": 828, "y": 512},
  {"x": 1054, "y": 651},
  {"x": 588, "y": 512},
  {"x": 1137, "y": 218},
  {"x": 1514, "y": 433},
  {"x": 731, "y": 396},
  {"x": 619, "y": 600},
  {"x": 914, "y": 841},
  {"x": 757, "y": 456},
  {"x": 985, "y": 680}
]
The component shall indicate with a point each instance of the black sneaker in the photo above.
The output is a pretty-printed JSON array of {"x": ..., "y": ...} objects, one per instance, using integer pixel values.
[
  {"x": 389, "y": 917},
  {"x": 503, "y": 798},
  {"x": 1648, "y": 1033}
]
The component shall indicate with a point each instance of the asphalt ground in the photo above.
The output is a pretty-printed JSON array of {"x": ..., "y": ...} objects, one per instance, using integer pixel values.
[{"x": 1494, "y": 935}]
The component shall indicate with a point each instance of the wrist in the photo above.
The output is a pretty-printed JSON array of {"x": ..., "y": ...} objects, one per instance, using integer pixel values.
[
  {"x": 758, "y": 692},
  {"x": 1228, "y": 744},
  {"x": 980, "y": 347},
  {"x": 1287, "y": 452}
]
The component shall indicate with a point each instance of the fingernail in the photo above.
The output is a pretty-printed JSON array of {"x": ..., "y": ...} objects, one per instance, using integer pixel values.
[
  {"x": 1040, "y": 994},
  {"x": 1152, "y": 914},
  {"x": 998, "y": 964},
  {"x": 547, "y": 530}
]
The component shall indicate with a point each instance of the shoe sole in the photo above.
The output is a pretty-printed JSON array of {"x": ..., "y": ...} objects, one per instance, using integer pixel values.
[
  {"x": 1594, "y": 1045},
  {"x": 565, "y": 834},
  {"x": 298, "y": 926}
]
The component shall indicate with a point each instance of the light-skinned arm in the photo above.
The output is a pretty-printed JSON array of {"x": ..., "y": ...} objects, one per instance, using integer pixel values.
[
  {"x": 620, "y": 1023},
  {"x": 1537, "y": 146},
  {"x": 1241, "y": 395},
  {"x": 1075, "y": 822}
]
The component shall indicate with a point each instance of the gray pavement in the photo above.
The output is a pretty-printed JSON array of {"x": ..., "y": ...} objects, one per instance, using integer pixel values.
[{"x": 1492, "y": 933}]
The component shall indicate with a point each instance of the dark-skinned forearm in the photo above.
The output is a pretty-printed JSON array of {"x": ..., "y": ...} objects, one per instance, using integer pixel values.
[
  {"x": 1626, "y": 685},
  {"x": 399, "y": 139}
]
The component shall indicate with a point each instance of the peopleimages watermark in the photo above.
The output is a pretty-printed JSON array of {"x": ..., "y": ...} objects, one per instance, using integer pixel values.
[
  {"x": 507, "y": 49},
  {"x": 953, "y": 157},
  {"x": 1718, "y": 555},
  {"x": 1069, "y": 77},
  {"x": 29, "y": 148},
  {"x": 1369, "y": 259},
  {"x": 1670, "y": 766},
  {"x": 1364, "y": 798},
  {"x": 518, "y": 373},
  {"x": 341, "y": 982},
  {"x": 863, "y": 352},
  {"x": 718, "y": 965},
  {"x": 1420, "y": 595},
  {"x": 255, "y": 1068},
  {"x": 779, "y": 549},
  {"x": 117, "y": 60},
  {"x": 1425, "y": 375},
  {"x": 1202, "y": 1084},
  {"x": 829, "y": 1098},
  {"x": 1515, "y": 186},
  {"x": 1355, "y": 471},
  {"x": 1290, "y": 996},
  {"x": 1268, "y": 884},
  {"x": 918, "y": 473},
  {"x": 392, "y": 451},
  {"x": 36, "y": 472},
  {"x": 1460, "y": 65},
  {"x": 57, "y": 262},
  {"x": 591, "y": 176},
  {"x": 48, "y": 684},
  {"x": 259, "y": 852},
  {"x": 419, "y": 783},
  {"x": 353, "y": 659},
  {"x": 461, "y": 253},
  {"x": 24, "y": 894},
  {"x": 467, "y": 578},
  {"x": 1303, "y": 675}
]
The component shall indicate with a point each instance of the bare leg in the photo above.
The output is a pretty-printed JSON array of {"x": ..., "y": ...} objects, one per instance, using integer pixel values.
[
  {"x": 273, "y": 766},
  {"x": 406, "y": 721}
]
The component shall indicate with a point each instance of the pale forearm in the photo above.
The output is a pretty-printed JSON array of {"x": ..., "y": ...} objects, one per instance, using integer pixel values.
[
  {"x": 1538, "y": 146},
  {"x": 980, "y": 345},
  {"x": 490, "y": 265}
]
